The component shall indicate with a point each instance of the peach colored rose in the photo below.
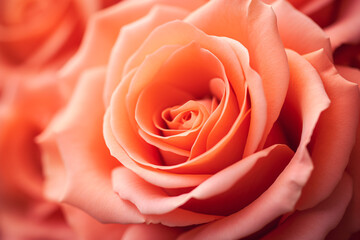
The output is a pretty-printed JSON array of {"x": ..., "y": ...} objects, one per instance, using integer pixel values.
[
  {"x": 40, "y": 31},
  {"x": 217, "y": 120},
  {"x": 36, "y": 38}
]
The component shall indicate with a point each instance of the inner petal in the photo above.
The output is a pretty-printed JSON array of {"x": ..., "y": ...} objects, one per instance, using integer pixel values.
[
  {"x": 186, "y": 116},
  {"x": 171, "y": 110}
]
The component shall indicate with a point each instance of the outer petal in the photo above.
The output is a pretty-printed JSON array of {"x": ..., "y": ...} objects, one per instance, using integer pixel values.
[
  {"x": 335, "y": 133},
  {"x": 78, "y": 134},
  {"x": 298, "y": 32},
  {"x": 279, "y": 199},
  {"x": 316, "y": 222},
  {"x": 351, "y": 221},
  {"x": 88, "y": 228},
  {"x": 153, "y": 200}
]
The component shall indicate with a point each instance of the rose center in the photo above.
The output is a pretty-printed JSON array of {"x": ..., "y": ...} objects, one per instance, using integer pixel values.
[{"x": 186, "y": 116}]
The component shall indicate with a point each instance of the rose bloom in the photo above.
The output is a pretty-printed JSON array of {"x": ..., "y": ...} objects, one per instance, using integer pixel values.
[
  {"x": 36, "y": 39},
  {"x": 207, "y": 120}
]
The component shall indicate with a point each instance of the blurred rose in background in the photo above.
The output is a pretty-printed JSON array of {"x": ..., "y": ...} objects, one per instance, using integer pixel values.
[{"x": 36, "y": 38}]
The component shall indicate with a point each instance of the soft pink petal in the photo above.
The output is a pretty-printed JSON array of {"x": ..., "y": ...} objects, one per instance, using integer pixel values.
[
  {"x": 316, "y": 222},
  {"x": 88, "y": 228},
  {"x": 279, "y": 199},
  {"x": 150, "y": 199},
  {"x": 298, "y": 32},
  {"x": 335, "y": 133},
  {"x": 351, "y": 221},
  {"x": 103, "y": 29},
  {"x": 181, "y": 218},
  {"x": 87, "y": 163},
  {"x": 131, "y": 37},
  {"x": 257, "y": 131}
]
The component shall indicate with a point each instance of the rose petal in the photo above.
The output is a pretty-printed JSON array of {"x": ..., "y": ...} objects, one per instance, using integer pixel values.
[
  {"x": 315, "y": 223},
  {"x": 306, "y": 95},
  {"x": 331, "y": 143},
  {"x": 78, "y": 134},
  {"x": 258, "y": 101},
  {"x": 295, "y": 27},
  {"x": 351, "y": 222},
  {"x": 150, "y": 199},
  {"x": 181, "y": 218},
  {"x": 278, "y": 199},
  {"x": 131, "y": 37},
  {"x": 89, "y": 228},
  {"x": 102, "y": 30}
]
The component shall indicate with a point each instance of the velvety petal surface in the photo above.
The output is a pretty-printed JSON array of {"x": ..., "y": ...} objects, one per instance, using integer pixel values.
[
  {"x": 335, "y": 133},
  {"x": 295, "y": 28},
  {"x": 103, "y": 31},
  {"x": 78, "y": 135},
  {"x": 316, "y": 222}
]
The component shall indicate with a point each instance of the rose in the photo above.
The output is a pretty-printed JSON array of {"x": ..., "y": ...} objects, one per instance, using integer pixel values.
[
  {"x": 229, "y": 118},
  {"x": 39, "y": 32},
  {"x": 36, "y": 38},
  {"x": 23, "y": 211}
]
